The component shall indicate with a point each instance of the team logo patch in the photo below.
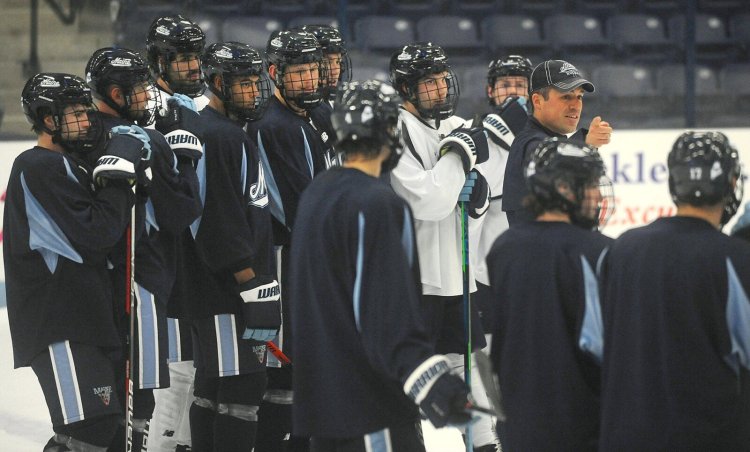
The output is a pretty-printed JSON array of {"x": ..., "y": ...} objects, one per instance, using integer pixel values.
[
  {"x": 224, "y": 53},
  {"x": 324, "y": 137},
  {"x": 121, "y": 62},
  {"x": 260, "y": 352},
  {"x": 104, "y": 393},
  {"x": 404, "y": 56},
  {"x": 49, "y": 82},
  {"x": 276, "y": 42},
  {"x": 569, "y": 69},
  {"x": 162, "y": 30},
  {"x": 259, "y": 190},
  {"x": 716, "y": 170}
]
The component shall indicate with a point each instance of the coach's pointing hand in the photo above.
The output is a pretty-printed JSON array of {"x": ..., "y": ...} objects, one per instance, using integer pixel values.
[{"x": 600, "y": 132}]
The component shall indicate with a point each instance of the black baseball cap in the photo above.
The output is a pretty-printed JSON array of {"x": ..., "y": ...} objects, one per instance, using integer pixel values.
[{"x": 560, "y": 75}]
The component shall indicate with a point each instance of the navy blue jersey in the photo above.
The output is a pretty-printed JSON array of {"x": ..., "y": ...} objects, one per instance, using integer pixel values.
[
  {"x": 293, "y": 152},
  {"x": 172, "y": 205},
  {"x": 542, "y": 276},
  {"x": 320, "y": 117},
  {"x": 357, "y": 328},
  {"x": 676, "y": 339},
  {"x": 234, "y": 231},
  {"x": 56, "y": 235},
  {"x": 514, "y": 184}
]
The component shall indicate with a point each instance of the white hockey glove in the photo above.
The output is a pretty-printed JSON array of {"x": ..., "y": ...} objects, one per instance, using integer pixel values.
[
  {"x": 442, "y": 396},
  {"x": 127, "y": 157},
  {"x": 475, "y": 192},
  {"x": 181, "y": 127},
  {"x": 261, "y": 308},
  {"x": 469, "y": 144}
]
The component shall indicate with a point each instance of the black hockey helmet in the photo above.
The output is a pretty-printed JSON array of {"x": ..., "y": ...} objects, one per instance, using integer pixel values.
[
  {"x": 559, "y": 174},
  {"x": 331, "y": 42},
  {"x": 168, "y": 37},
  {"x": 512, "y": 65},
  {"x": 291, "y": 47},
  {"x": 125, "y": 68},
  {"x": 49, "y": 94},
  {"x": 412, "y": 63},
  {"x": 232, "y": 61},
  {"x": 367, "y": 112},
  {"x": 704, "y": 169}
]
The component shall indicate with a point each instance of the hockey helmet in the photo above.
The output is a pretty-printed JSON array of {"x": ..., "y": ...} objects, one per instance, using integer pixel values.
[
  {"x": 570, "y": 177},
  {"x": 331, "y": 42},
  {"x": 704, "y": 169},
  {"x": 168, "y": 37},
  {"x": 50, "y": 94},
  {"x": 414, "y": 62},
  {"x": 232, "y": 61},
  {"x": 292, "y": 47},
  {"x": 125, "y": 68},
  {"x": 510, "y": 66}
]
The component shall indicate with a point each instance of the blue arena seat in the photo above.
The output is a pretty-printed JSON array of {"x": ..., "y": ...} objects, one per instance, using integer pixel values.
[
  {"x": 450, "y": 32},
  {"x": 513, "y": 34},
  {"x": 640, "y": 37},
  {"x": 253, "y": 31},
  {"x": 383, "y": 33},
  {"x": 576, "y": 35},
  {"x": 712, "y": 41}
]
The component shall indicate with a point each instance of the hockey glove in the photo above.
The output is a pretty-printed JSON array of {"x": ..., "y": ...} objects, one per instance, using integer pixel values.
[
  {"x": 469, "y": 144},
  {"x": 180, "y": 126},
  {"x": 441, "y": 396},
  {"x": 127, "y": 157},
  {"x": 183, "y": 101},
  {"x": 498, "y": 131},
  {"x": 261, "y": 308},
  {"x": 475, "y": 192}
]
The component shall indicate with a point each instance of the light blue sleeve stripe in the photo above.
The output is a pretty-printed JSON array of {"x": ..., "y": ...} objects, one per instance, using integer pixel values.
[
  {"x": 149, "y": 345},
  {"x": 592, "y": 332},
  {"x": 45, "y": 236},
  {"x": 360, "y": 269},
  {"x": 407, "y": 237},
  {"x": 379, "y": 441},
  {"x": 243, "y": 174},
  {"x": 738, "y": 321},
  {"x": 308, "y": 154},
  {"x": 225, "y": 333},
  {"x": 200, "y": 171},
  {"x": 69, "y": 172},
  {"x": 174, "y": 346},
  {"x": 277, "y": 207},
  {"x": 72, "y": 411},
  {"x": 151, "y": 216}
]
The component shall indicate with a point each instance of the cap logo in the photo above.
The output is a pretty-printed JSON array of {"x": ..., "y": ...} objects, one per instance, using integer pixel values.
[
  {"x": 276, "y": 42},
  {"x": 569, "y": 69},
  {"x": 162, "y": 30},
  {"x": 404, "y": 56},
  {"x": 121, "y": 62},
  {"x": 223, "y": 53},
  {"x": 49, "y": 82}
]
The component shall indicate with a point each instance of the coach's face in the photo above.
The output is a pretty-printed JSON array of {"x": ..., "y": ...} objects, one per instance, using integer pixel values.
[{"x": 560, "y": 112}]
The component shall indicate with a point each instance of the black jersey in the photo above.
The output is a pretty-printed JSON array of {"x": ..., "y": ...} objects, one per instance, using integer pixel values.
[
  {"x": 676, "y": 339},
  {"x": 542, "y": 276},
  {"x": 172, "y": 205},
  {"x": 293, "y": 152},
  {"x": 320, "y": 118},
  {"x": 357, "y": 327},
  {"x": 234, "y": 230},
  {"x": 56, "y": 235}
]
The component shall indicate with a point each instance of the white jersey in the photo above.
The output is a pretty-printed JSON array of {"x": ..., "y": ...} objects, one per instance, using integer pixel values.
[{"x": 431, "y": 185}]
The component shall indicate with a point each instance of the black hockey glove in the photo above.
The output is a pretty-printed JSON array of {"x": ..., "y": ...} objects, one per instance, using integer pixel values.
[
  {"x": 127, "y": 157},
  {"x": 181, "y": 127},
  {"x": 498, "y": 131},
  {"x": 469, "y": 144},
  {"x": 261, "y": 308},
  {"x": 441, "y": 396},
  {"x": 475, "y": 192}
]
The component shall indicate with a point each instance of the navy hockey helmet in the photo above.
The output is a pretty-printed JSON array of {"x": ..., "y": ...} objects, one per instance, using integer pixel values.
[
  {"x": 336, "y": 62},
  {"x": 168, "y": 37},
  {"x": 293, "y": 47},
  {"x": 235, "y": 63},
  {"x": 124, "y": 68},
  {"x": 570, "y": 177},
  {"x": 704, "y": 169},
  {"x": 68, "y": 100},
  {"x": 411, "y": 64},
  {"x": 367, "y": 112}
]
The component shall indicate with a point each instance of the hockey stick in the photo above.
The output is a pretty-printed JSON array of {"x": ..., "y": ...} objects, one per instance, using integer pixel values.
[
  {"x": 130, "y": 311},
  {"x": 467, "y": 306},
  {"x": 276, "y": 351}
]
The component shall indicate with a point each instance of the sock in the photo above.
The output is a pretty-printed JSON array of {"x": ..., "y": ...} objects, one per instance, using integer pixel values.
[
  {"x": 202, "y": 428},
  {"x": 274, "y": 427}
]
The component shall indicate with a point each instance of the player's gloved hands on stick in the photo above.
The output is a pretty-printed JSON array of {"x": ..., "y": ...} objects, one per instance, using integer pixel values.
[
  {"x": 442, "y": 396},
  {"x": 469, "y": 144},
  {"x": 127, "y": 157},
  {"x": 261, "y": 308},
  {"x": 180, "y": 125},
  {"x": 475, "y": 192}
]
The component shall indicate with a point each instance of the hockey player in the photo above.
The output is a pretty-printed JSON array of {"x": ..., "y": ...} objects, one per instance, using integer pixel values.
[
  {"x": 356, "y": 297},
  {"x": 293, "y": 148},
  {"x": 544, "y": 287},
  {"x": 508, "y": 90},
  {"x": 124, "y": 96},
  {"x": 676, "y": 313},
  {"x": 233, "y": 302},
  {"x": 556, "y": 96},
  {"x": 58, "y": 229},
  {"x": 173, "y": 46},
  {"x": 440, "y": 152}
]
